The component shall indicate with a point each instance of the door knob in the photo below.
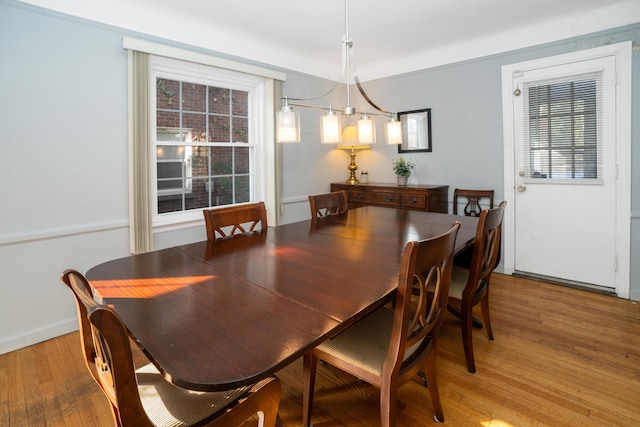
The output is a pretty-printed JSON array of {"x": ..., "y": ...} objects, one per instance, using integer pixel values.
[
  {"x": 522, "y": 187},
  {"x": 521, "y": 173}
]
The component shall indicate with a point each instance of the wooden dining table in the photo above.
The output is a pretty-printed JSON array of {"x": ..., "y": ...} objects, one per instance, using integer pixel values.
[{"x": 220, "y": 314}]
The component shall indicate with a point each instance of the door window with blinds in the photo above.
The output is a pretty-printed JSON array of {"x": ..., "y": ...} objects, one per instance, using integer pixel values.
[{"x": 563, "y": 131}]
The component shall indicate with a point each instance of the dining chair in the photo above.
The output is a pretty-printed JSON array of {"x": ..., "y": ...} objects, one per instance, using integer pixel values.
[
  {"x": 390, "y": 346},
  {"x": 143, "y": 397},
  {"x": 470, "y": 286},
  {"x": 472, "y": 198},
  {"x": 241, "y": 219},
  {"x": 323, "y": 205}
]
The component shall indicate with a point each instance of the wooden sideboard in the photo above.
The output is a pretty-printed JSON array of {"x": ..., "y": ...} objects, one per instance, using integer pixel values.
[{"x": 433, "y": 198}]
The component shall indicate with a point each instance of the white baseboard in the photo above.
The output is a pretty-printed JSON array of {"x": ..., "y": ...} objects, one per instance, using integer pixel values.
[{"x": 38, "y": 335}]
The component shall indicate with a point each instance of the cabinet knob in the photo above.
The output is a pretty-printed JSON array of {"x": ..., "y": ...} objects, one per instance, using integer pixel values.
[
  {"x": 360, "y": 196},
  {"x": 389, "y": 198},
  {"x": 413, "y": 200}
]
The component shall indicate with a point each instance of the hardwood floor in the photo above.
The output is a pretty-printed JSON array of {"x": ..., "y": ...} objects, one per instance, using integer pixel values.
[{"x": 561, "y": 357}]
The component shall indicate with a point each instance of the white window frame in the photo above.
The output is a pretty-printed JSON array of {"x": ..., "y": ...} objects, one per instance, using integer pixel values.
[{"x": 255, "y": 86}]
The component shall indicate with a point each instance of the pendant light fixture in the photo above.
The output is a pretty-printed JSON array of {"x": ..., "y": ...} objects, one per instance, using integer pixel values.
[
  {"x": 288, "y": 120},
  {"x": 287, "y": 124}
]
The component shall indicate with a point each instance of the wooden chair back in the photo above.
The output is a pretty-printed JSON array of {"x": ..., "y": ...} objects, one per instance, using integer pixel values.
[
  {"x": 470, "y": 282},
  {"x": 486, "y": 250},
  {"x": 388, "y": 348},
  {"x": 241, "y": 219},
  {"x": 109, "y": 358},
  {"x": 323, "y": 205},
  {"x": 473, "y": 198},
  {"x": 107, "y": 351},
  {"x": 421, "y": 302}
]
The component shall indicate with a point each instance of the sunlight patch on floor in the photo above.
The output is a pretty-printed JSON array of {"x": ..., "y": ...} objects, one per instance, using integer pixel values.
[{"x": 496, "y": 423}]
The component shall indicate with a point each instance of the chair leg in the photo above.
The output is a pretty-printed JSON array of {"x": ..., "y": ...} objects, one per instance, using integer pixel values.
[
  {"x": 388, "y": 402},
  {"x": 456, "y": 312},
  {"x": 485, "y": 314},
  {"x": 467, "y": 337},
  {"x": 432, "y": 381},
  {"x": 310, "y": 362}
]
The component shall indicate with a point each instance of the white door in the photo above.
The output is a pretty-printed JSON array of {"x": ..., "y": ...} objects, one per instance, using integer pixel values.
[{"x": 565, "y": 173}]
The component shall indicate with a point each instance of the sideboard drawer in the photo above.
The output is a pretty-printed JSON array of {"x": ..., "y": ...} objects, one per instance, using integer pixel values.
[
  {"x": 414, "y": 201},
  {"x": 377, "y": 198}
]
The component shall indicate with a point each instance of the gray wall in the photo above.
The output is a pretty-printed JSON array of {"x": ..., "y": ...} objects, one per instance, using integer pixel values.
[{"x": 63, "y": 155}]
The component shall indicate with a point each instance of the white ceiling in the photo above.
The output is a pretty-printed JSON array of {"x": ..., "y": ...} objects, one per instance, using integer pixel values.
[{"x": 390, "y": 37}]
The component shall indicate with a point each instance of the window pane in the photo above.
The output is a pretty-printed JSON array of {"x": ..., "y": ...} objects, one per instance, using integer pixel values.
[
  {"x": 219, "y": 129},
  {"x": 167, "y": 94},
  {"x": 562, "y": 165},
  {"x": 170, "y": 152},
  {"x": 222, "y": 191},
  {"x": 168, "y": 119},
  {"x": 241, "y": 160},
  {"x": 561, "y": 133},
  {"x": 221, "y": 160},
  {"x": 195, "y": 125},
  {"x": 200, "y": 193},
  {"x": 170, "y": 175},
  {"x": 242, "y": 189},
  {"x": 200, "y": 161},
  {"x": 219, "y": 100},
  {"x": 170, "y": 204},
  {"x": 193, "y": 97},
  {"x": 240, "y": 103},
  {"x": 240, "y": 129}
]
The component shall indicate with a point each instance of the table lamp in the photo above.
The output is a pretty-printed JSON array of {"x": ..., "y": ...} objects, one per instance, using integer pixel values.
[{"x": 350, "y": 142}]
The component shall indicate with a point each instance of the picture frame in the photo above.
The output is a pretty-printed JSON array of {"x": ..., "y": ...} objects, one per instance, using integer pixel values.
[{"x": 416, "y": 131}]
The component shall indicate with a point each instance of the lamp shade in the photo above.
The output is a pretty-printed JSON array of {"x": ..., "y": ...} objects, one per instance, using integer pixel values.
[
  {"x": 287, "y": 125},
  {"x": 350, "y": 138},
  {"x": 366, "y": 131},
  {"x": 330, "y": 129},
  {"x": 393, "y": 132}
]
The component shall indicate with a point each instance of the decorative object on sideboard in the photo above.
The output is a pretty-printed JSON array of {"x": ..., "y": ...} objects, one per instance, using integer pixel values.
[
  {"x": 288, "y": 120},
  {"x": 403, "y": 169},
  {"x": 364, "y": 177}
]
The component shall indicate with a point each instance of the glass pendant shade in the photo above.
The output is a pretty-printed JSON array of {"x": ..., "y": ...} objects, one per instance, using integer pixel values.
[
  {"x": 393, "y": 132},
  {"x": 330, "y": 131},
  {"x": 366, "y": 131},
  {"x": 287, "y": 125}
]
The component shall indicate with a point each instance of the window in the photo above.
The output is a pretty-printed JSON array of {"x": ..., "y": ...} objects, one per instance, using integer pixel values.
[
  {"x": 564, "y": 138},
  {"x": 206, "y": 138}
]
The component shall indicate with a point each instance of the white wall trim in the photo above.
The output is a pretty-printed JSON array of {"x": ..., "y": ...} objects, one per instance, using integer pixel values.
[
  {"x": 56, "y": 233},
  {"x": 38, "y": 335},
  {"x": 200, "y": 58},
  {"x": 298, "y": 199}
]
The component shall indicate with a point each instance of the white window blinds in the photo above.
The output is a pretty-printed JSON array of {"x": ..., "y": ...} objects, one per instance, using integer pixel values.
[{"x": 563, "y": 129}]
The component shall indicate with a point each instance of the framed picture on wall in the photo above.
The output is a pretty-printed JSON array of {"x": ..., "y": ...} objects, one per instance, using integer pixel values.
[{"x": 416, "y": 131}]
